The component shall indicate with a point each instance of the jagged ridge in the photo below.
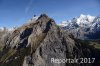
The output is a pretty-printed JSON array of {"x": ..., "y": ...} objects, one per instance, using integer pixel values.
[{"x": 83, "y": 27}]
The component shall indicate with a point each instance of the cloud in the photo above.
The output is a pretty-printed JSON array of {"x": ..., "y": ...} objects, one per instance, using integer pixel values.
[{"x": 29, "y": 6}]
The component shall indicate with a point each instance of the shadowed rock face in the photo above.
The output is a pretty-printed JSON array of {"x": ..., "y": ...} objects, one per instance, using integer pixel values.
[{"x": 34, "y": 44}]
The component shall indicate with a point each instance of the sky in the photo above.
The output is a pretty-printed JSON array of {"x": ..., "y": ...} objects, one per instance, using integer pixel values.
[{"x": 17, "y": 12}]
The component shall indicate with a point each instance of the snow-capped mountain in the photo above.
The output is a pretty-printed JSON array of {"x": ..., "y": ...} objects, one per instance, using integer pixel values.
[
  {"x": 1, "y": 28},
  {"x": 82, "y": 21},
  {"x": 7, "y": 29},
  {"x": 83, "y": 27}
]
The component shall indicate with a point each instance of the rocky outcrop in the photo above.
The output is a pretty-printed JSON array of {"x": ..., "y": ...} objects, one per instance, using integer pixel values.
[{"x": 36, "y": 43}]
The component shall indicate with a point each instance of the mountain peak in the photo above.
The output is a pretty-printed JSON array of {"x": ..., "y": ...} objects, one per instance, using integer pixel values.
[
  {"x": 44, "y": 37},
  {"x": 43, "y": 16},
  {"x": 83, "y": 26},
  {"x": 86, "y": 16},
  {"x": 82, "y": 15},
  {"x": 82, "y": 20}
]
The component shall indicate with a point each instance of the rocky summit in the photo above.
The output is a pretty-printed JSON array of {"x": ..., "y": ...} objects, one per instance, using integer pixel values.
[{"x": 42, "y": 43}]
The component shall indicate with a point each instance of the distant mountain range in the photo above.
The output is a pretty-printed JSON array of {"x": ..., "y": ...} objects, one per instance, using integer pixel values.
[
  {"x": 83, "y": 27},
  {"x": 13, "y": 28},
  {"x": 8, "y": 29}
]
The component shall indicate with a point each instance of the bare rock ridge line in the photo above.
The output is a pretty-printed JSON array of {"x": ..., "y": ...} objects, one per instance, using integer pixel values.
[{"x": 35, "y": 43}]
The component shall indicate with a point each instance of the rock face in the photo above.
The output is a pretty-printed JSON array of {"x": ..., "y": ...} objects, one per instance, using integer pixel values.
[
  {"x": 83, "y": 27},
  {"x": 37, "y": 42}
]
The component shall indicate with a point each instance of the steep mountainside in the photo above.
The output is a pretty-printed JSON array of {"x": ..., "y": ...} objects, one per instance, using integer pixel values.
[
  {"x": 83, "y": 27},
  {"x": 36, "y": 42}
]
